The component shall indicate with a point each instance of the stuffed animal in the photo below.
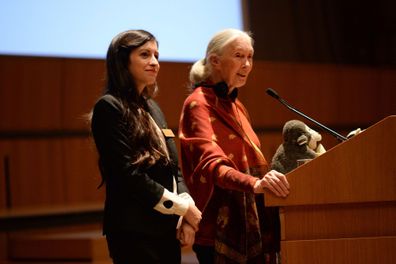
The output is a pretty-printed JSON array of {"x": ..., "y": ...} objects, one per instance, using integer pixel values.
[{"x": 299, "y": 142}]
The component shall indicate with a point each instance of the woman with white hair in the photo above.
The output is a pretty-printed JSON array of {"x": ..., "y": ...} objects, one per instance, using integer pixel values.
[{"x": 221, "y": 159}]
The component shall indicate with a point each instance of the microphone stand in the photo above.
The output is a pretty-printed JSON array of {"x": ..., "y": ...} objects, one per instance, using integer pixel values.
[{"x": 273, "y": 94}]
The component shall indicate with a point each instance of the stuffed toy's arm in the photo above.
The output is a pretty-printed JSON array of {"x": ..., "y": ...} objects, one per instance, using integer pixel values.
[
  {"x": 354, "y": 132},
  {"x": 320, "y": 149}
]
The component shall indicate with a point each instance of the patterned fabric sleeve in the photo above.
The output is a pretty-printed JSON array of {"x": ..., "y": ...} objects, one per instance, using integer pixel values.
[{"x": 204, "y": 161}]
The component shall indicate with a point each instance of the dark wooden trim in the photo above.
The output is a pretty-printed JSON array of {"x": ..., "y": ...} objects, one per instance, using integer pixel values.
[
  {"x": 36, "y": 217},
  {"x": 43, "y": 134}
]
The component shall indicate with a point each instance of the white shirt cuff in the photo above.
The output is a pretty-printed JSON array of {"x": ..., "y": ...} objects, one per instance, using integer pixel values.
[{"x": 171, "y": 203}]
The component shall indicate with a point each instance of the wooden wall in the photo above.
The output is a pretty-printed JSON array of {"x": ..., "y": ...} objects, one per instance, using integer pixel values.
[{"x": 48, "y": 158}]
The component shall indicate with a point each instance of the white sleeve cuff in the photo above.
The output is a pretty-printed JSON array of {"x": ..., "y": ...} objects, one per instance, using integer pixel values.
[
  {"x": 186, "y": 196},
  {"x": 171, "y": 203}
]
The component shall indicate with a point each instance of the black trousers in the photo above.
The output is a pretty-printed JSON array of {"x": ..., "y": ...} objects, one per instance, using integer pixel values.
[
  {"x": 128, "y": 248},
  {"x": 205, "y": 254}
]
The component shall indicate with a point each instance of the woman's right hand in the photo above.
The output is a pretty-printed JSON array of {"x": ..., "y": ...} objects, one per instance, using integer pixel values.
[
  {"x": 193, "y": 216},
  {"x": 186, "y": 234}
]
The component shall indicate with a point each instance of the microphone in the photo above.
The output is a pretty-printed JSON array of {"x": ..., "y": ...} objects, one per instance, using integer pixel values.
[{"x": 275, "y": 95}]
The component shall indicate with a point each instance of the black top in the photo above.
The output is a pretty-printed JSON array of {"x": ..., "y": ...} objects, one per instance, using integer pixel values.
[{"x": 132, "y": 192}]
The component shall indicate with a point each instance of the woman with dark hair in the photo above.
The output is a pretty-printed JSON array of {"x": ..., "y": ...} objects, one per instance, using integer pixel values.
[
  {"x": 222, "y": 161},
  {"x": 148, "y": 212}
]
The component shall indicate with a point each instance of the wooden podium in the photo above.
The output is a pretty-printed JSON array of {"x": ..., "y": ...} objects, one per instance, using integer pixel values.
[{"x": 342, "y": 205}]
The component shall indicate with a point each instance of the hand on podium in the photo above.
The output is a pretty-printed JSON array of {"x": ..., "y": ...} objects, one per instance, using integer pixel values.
[{"x": 274, "y": 181}]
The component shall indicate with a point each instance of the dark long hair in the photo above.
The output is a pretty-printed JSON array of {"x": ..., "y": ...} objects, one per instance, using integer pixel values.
[{"x": 120, "y": 83}]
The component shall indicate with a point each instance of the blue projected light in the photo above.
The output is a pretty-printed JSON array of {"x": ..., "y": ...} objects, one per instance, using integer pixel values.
[{"x": 84, "y": 28}]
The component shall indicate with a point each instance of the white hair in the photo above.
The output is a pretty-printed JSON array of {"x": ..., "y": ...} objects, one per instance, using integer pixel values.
[{"x": 201, "y": 69}]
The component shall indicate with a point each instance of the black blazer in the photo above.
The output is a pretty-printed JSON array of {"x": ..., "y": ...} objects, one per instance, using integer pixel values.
[{"x": 131, "y": 192}]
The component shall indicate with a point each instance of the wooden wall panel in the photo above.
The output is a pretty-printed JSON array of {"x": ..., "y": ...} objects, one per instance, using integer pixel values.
[
  {"x": 81, "y": 172},
  {"x": 336, "y": 95},
  {"x": 29, "y": 93},
  {"x": 36, "y": 176},
  {"x": 50, "y": 172},
  {"x": 80, "y": 247},
  {"x": 3, "y": 246},
  {"x": 341, "y": 96},
  {"x": 82, "y": 84},
  {"x": 5, "y": 151},
  {"x": 269, "y": 143},
  {"x": 40, "y": 95},
  {"x": 173, "y": 89},
  {"x": 387, "y": 93}
]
